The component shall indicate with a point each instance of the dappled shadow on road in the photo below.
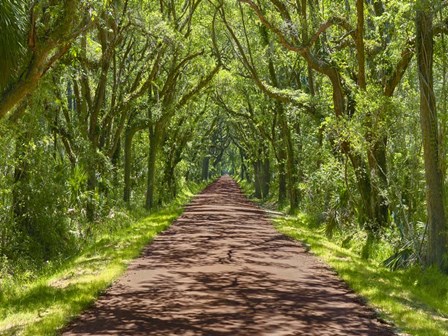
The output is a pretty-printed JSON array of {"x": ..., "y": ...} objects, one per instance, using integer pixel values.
[{"x": 222, "y": 269}]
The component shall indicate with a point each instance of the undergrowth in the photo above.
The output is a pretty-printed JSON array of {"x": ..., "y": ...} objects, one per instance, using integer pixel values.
[{"x": 42, "y": 304}]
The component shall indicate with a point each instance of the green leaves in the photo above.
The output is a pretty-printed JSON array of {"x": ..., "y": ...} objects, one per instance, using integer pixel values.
[{"x": 13, "y": 23}]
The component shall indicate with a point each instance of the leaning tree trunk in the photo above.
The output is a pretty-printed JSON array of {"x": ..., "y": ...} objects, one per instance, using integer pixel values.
[{"x": 437, "y": 233}]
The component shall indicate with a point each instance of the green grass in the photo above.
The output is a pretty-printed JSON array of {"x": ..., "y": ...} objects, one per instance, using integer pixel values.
[
  {"x": 415, "y": 300},
  {"x": 44, "y": 305}
]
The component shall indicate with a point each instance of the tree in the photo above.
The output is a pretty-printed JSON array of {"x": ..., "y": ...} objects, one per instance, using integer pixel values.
[
  {"x": 173, "y": 89},
  {"x": 437, "y": 234},
  {"x": 316, "y": 51},
  {"x": 53, "y": 26},
  {"x": 268, "y": 80}
]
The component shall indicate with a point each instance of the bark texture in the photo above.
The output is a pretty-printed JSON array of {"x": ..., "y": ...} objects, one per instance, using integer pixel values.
[{"x": 437, "y": 233}]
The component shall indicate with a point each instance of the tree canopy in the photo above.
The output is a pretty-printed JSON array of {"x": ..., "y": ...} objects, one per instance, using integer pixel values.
[{"x": 336, "y": 109}]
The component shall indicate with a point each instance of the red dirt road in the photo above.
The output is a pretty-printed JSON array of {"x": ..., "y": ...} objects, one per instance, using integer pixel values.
[{"x": 222, "y": 269}]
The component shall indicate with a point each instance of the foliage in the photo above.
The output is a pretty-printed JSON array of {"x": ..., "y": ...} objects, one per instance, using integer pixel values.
[{"x": 12, "y": 39}]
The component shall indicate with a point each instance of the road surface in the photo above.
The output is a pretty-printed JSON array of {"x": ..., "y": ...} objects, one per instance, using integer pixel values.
[{"x": 222, "y": 269}]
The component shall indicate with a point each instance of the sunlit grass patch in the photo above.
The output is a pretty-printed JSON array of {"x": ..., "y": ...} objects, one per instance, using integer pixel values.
[
  {"x": 416, "y": 301},
  {"x": 44, "y": 305}
]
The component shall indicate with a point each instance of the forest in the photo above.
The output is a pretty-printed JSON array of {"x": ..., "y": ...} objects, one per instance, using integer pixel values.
[{"x": 333, "y": 112}]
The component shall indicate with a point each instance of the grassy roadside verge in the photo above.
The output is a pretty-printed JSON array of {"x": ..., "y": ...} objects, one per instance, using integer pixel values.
[
  {"x": 46, "y": 304},
  {"x": 414, "y": 300}
]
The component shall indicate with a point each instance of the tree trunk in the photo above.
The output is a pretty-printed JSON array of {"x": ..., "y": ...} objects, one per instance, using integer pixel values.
[
  {"x": 366, "y": 210},
  {"x": 291, "y": 173},
  {"x": 360, "y": 49},
  {"x": 91, "y": 189},
  {"x": 266, "y": 173},
  {"x": 378, "y": 176},
  {"x": 169, "y": 179},
  {"x": 291, "y": 167},
  {"x": 242, "y": 171},
  {"x": 367, "y": 191},
  {"x": 243, "y": 165},
  {"x": 171, "y": 183},
  {"x": 257, "y": 179},
  {"x": 24, "y": 86},
  {"x": 282, "y": 189},
  {"x": 205, "y": 168},
  {"x": 377, "y": 151},
  {"x": 437, "y": 233},
  {"x": 154, "y": 142},
  {"x": 129, "y": 135},
  {"x": 19, "y": 190}
]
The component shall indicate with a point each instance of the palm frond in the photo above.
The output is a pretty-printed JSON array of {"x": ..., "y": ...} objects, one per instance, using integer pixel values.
[{"x": 12, "y": 39}]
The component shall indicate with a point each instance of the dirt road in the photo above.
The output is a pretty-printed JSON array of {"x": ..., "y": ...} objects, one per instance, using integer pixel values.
[{"x": 222, "y": 269}]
